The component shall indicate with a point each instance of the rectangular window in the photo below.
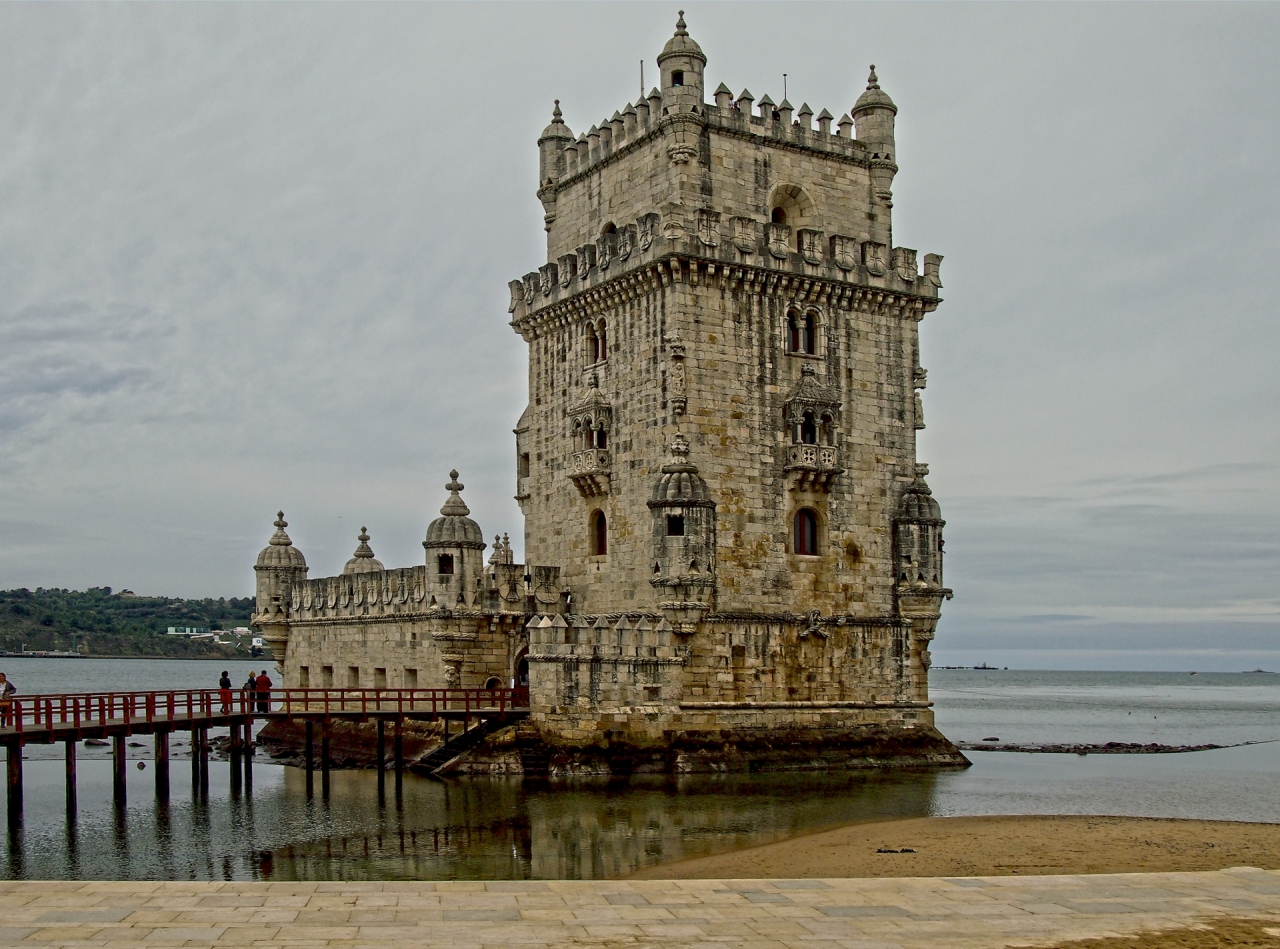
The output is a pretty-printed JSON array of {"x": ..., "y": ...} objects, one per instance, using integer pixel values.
[
  {"x": 410, "y": 678},
  {"x": 304, "y": 677},
  {"x": 379, "y": 678},
  {"x": 326, "y": 677},
  {"x": 675, "y": 525},
  {"x": 353, "y": 677},
  {"x": 523, "y": 465},
  {"x": 444, "y": 564}
]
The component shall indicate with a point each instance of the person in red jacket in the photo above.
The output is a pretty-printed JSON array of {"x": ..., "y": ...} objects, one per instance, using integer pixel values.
[{"x": 264, "y": 692}]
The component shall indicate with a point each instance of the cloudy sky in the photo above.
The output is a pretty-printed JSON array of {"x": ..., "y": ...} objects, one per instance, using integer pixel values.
[{"x": 255, "y": 256}]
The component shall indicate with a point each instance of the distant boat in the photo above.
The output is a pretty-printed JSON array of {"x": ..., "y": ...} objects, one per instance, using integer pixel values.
[{"x": 1263, "y": 671}]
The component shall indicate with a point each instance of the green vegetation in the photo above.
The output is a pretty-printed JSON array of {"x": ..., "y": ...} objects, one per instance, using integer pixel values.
[{"x": 101, "y": 623}]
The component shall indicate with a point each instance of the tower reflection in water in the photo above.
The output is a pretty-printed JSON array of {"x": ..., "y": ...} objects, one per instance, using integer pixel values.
[{"x": 483, "y": 828}]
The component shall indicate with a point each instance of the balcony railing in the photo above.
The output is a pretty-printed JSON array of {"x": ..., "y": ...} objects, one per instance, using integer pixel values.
[
  {"x": 590, "y": 470},
  {"x": 812, "y": 467}
]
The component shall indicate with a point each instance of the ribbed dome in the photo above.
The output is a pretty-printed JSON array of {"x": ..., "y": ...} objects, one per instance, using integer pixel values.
[
  {"x": 453, "y": 528},
  {"x": 917, "y": 501},
  {"x": 874, "y": 97},
  {"x": 363, "y": 561},
  {"x": 557, "y": 128},
  {"x": 280, "y": 552},
  {"x": 682, "y": 44},
  {"x": 680, "y": 485}
]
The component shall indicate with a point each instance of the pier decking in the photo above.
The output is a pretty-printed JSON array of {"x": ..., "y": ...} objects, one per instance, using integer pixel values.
[{"x": 72, "y": 717}]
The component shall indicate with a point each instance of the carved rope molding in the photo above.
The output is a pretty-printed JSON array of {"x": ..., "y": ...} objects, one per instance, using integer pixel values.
[{"x": 674, "y": 268}]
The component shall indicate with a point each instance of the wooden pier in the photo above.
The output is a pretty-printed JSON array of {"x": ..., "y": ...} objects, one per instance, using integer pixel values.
[{"x": 116, "y": 716}]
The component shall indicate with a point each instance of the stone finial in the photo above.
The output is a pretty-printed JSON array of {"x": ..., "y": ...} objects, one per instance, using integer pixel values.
[
  {"x": 682, "y": 31},
  {"x": 280, "y": 538},
  {"x": 364, "y": 551},
  {"x": 557, "y": 117},
  {"x": 872, "y": 81},
  {"x": 454, "y": 505},
  {"x": 679, "y": 449}
]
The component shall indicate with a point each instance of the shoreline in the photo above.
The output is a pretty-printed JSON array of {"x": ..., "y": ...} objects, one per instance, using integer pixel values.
[{"x": 1007, "y": 845}]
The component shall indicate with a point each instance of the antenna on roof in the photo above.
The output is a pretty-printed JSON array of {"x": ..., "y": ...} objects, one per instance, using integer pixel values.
[
  {"x": 784, "y": 85},
  {"x": 642, "y": 79}
]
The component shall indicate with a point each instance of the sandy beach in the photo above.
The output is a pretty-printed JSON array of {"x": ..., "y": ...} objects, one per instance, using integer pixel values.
[{"x": 993, "y": 846}]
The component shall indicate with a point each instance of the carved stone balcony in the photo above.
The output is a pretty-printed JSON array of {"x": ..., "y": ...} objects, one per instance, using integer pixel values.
[
  {"x": 812, "y": 467},
  {"x": 590, "y": 470}
]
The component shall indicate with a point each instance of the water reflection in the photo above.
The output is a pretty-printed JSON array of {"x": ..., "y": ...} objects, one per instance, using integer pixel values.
[{"x": 268, "y": 828}]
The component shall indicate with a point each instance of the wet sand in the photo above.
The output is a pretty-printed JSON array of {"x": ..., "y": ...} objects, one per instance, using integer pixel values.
[{"x": 993, "y": 846}]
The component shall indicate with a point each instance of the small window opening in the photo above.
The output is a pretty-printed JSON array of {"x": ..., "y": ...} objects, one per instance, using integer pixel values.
[
  {"x": 444, "y": 564},
  {"x": 675, "y": 525},
  {"x": 810, "y": 336},
  {"x": 353, "y": 677},
  {"x": 808, "y": 430},
  {"x": 522, "y": 465},
  {"x": 593, "y": 345},
  {"x": 602, "y": 438},
  {"x": 599, "y": 534},
  {"x": 805, "y": 541},
  {"x": 326, "y": 676},
  {"x": 794, "y": 340},
  {"x": 304, "y": 677},
  {"x": 410, "y": 678},
  {"x": 779, "y": 216},
  {"x": 677, "y": 77},
  {"x": 379, "y": 678},
  {"x": 493, "y": 682}
]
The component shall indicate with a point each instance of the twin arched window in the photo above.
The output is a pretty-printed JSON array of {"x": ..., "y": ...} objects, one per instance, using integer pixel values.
[
  {"x": 813, "y": 430},
  {"x": 597, "y": 342},
  {"x": 802, "y": 334},
  {"x": 599, "y": 534},
  {"x": 804, "y": 533}
]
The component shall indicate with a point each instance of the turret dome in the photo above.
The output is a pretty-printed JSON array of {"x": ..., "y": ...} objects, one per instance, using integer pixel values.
[
  {"x": 363, "y": 561},
  {"x": 280, "y": 551},
  {"x": 680, "y": 485},
  {"x": 682, "y": 44},
  {"x": 917, "y": 501},
  {"x": 874, "y": 97},
  {"x": 453, "y": 528}
]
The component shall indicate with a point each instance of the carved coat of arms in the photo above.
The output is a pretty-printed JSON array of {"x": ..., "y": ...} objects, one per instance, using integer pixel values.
[
  {"x": 648, "y": 226},
  {"x": 746, "y": 235},
  {"x": 844, "y": 251},
  {"x": 779, "y": 240},
  {"x": 904, "y": 262},
  {"x": 810, "y": 246},
  {"x": 873, "y": 257},
  {"x": 709, "y": 228}
]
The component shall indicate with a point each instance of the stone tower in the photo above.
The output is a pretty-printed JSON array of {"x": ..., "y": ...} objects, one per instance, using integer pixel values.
[{"x": 721, "y": 429}]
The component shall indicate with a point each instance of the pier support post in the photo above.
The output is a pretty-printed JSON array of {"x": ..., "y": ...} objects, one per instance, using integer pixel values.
[
  {"x": 310, "y": 754},
  {"x": 324, "y": 759},
  {"x": 195, "y": 760},
  {"x": 202, "y": 737},
  {"x": 162, "y": 765},
  {"x": 382, "y": 761},
  {"x": 119, "y": 789},
  {"x": 233, "y": 756},
  {"x": 248, "y": 755},
  {"x": 69, "y": 751},
  {"x": 399, "y": 753},
  {"x": 14, "y": 753}
]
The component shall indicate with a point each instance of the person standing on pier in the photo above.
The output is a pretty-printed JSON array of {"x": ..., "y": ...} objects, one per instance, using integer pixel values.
[
  {"x": 264, "y": 692},
  {"x": 224, "y": 692},
  {"x": 7, "y": 692},
  {"x": 250, "y": 690}
]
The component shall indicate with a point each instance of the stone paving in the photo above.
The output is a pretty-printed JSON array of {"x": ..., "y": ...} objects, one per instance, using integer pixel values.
[{"x": 965, "y": 913}]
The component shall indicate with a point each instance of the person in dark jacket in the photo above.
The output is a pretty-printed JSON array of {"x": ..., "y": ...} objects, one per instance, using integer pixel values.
[
  {"x": 224, "y": 692},
  {"x": 264, "y": 692},
  {"x": 250, "y": 690}
]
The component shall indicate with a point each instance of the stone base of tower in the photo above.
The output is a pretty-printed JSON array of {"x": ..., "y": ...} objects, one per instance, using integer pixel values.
[{"x": 653, "y": 740}]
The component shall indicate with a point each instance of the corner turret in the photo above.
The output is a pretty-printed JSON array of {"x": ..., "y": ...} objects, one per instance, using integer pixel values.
[
  {"x": 551, "y": 162},
  {"x": 454, "y": 545},
  {"x": 363, "y": 560},
  {"x": 682, "y": 62},
  {"x": 873, "y": 117},
  {"x": 279, "y": 569}
]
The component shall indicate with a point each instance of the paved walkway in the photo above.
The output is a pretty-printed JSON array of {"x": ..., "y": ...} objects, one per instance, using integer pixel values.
[{"x": 736, "y": 914}]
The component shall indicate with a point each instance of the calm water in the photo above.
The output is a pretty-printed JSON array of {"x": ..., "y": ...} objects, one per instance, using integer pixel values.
[{"x": 503, "y": 829}]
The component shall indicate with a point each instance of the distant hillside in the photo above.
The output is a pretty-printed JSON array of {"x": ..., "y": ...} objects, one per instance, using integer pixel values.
[{"x": 100, "y": 622}]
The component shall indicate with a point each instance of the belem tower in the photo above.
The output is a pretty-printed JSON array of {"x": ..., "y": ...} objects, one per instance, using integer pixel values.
[{"x": 733, "y": 559}]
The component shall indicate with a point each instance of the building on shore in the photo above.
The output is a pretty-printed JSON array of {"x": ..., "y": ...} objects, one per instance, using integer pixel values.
[{"x": 733, "y": 559}]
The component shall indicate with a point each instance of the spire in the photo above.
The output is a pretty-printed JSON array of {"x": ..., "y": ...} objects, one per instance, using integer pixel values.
[
  {"x": 681, "y": 31},
  {"x": 454, "y": 506},
  {"x": 364, "y": 551},
  {"x": 280, "y": 538}
]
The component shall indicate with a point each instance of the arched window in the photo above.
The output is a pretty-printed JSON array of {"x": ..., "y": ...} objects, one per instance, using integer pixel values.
[
  {"x": 602, "y": 338},
  {"x": 828, "y": 429},
  {"x": 809, "y": 340},
  {"x": 602, "y": 437},
  {"x": 593, "y": 345},
  {"x": 586, "y": 433},
  {"x": 599, "y": 535},
  {"x": 779, "y": 216},
  {"x": 493, "y": 682},
  {"x": 808, "y": 430},
  {"x": 793, "y": 334},
  {"x": 444, "y": 564},
  {"x": 805, "y": 533}
]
